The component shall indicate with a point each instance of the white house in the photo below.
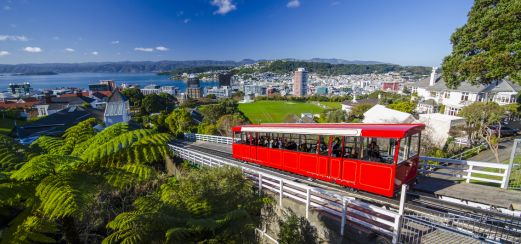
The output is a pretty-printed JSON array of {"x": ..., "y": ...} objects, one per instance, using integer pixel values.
[
  {"x": 437, "y": 126},
  {"x": 502, "y": 92},
  {"x": 380, "y": 114},
  {"x": 117, "y": 109}
]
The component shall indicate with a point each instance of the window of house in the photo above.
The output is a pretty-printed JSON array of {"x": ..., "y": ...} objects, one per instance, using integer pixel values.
[
  {"x": 464, "y": 96},
  {"x": 446, "y": 94},
  {"x": 453, "y": 111},
  {"x": 434, "y": 94}
]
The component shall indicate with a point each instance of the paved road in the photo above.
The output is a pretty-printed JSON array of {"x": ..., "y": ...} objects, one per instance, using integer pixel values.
[{"x": 505, "y": 148}]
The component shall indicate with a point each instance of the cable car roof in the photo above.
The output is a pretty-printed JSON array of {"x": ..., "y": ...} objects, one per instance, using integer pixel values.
[{"x": 341, "y": 129}]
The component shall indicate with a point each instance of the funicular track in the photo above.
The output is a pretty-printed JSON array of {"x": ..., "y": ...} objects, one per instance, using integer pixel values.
[{"x": 464, "y": 220}]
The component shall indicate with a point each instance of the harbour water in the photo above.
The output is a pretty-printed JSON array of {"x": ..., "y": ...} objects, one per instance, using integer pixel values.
[{"x": 82, "y": 80}]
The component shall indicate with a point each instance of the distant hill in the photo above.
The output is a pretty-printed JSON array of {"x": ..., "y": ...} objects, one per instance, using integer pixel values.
[
  {"x": 158, "y": 66},
  {"x": 342, "y": 61},
  {"x": 115, "y": 67}
]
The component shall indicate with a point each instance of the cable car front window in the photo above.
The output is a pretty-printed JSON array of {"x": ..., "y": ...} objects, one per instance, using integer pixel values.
[
  {"x": 379, "y": 150},
  {"x": 409, "y": 147}
]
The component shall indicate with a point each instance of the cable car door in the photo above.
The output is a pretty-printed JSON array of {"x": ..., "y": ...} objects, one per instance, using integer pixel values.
[
  {"x": 335, "y": 154},
  {"x": 323, "y": 156},
  {"x": 253, "y": 147}
]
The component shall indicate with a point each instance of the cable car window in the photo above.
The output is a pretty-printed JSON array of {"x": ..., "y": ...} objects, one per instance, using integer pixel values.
[
  {"x": 336, "y": 147},
  {"x": 323, "y": 143},
  {"x": 276, "y": 141},
  {"x": 237, "y": 136},
  {"x": 379, "y": 150},
  {"x": 308, "y": 144},
  {"x": 290, "y": 142},
  {"x": 352, "y": 147},
  {"x": 415, "y": 145},
  {"x": 263, "y": 139},
  {"x": 409, "y": 147}
]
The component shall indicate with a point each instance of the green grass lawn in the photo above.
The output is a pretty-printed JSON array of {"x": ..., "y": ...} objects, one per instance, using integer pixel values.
[
  {"x": 276, "y": 111},
  {"x": 334, "y": 105}
]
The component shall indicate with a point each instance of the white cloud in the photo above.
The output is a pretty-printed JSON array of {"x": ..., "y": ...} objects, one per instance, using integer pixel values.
[
  {"x": 144, "y": 49},
  {"x": 4, "y": 53},
  {"x": 186, "y": 21},
  {"x": 224, "y": 6},
  {"x": 33, "y": 49},
  {"x": 69, "y": 50},
  {"x": 13, "y": 38},
  {"x": 114, "y": 42},
  {"x": 293, "y": 4},
  {"x": 95, "y": 53},
  {"x": 7, "y": 8},
  {"x": 162, "y": 49}
]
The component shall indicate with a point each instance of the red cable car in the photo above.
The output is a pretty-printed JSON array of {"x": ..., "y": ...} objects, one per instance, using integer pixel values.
[{"x": 376, "y": 158}]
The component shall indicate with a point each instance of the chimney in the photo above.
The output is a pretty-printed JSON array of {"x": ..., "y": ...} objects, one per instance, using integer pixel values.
[{"x": 433, "y": 76}]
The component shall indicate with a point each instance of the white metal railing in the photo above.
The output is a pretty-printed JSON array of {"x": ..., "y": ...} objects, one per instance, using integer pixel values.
[
  {"x": 209, "y": 138},
  {"x": 373, "y": 217},
  {"x": 465, "y": 169}
]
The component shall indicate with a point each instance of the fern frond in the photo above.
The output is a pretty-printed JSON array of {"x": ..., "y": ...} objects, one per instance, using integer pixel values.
[
  {"x": 41, "y": 166},
  {"x": 12, "y": 193},
  {"x": 116, "y": 144},
  {"x": 66, "y": 194},
  {"x": 12, "y": 153},
  {"x": 48, "y": 144},
  {"x": 102, "y": 137},
  {"x": 77, "y": 134}
]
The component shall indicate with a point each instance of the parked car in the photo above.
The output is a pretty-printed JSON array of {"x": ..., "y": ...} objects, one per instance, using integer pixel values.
[{"x": 504, "y": 130}]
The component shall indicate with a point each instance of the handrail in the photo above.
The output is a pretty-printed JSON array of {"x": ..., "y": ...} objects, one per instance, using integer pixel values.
[
  {"x": 378, "y": 219},
  {"x": 465, "y": 169},
  {"x": 209, "y": 138}
]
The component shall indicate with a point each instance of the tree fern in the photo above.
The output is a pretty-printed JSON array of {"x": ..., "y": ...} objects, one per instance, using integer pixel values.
[
  {"x": 48, "y": 144},
  {"x": 129, "y": 175},
  {"x": 41, "y": 166},
  {"x": 66, "y": 195},
  {"x": 12, "y": 154},
  {"x": 81, "y": 132},
  {"x": 30, "y": 229},
  {"x": 102, "y": 137}
]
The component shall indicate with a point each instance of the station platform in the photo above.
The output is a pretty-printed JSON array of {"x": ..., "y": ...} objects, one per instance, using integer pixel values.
[{"x": 483, "y": 195}]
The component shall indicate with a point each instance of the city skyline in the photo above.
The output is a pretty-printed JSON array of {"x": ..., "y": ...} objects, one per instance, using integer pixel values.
[{"x": 405, "y": 33}]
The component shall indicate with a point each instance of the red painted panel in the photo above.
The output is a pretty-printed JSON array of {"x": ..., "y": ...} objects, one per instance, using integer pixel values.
[
  {"x": 323, "y": 166},
  {"x": 263, "y": 155},
  {"x": 334, "y": 164},
  {"x": 276, "y": 158},
  {"x": 406, "y": 171},
  {"x": 349, "y": 171},
  {"x": 377, "y": 178},
  {"x": 309, "y": 163},
  {"x": 290, "y": 161}
]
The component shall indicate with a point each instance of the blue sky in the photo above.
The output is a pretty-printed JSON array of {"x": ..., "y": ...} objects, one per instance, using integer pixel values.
[{"x": 407, "y": 32}]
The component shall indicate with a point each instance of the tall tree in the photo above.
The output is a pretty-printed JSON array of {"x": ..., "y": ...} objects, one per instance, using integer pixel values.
[
  {"x": 153, "y": 103},
  {"x": 480, "y": 117},
  {"x": 179, "y": 121},
  {"x": 488, "y": 46},
  {"x": 134, "y": 96}
]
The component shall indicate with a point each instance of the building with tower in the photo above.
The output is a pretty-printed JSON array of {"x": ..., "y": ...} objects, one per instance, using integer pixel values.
[{"x": 117, "y": 109}]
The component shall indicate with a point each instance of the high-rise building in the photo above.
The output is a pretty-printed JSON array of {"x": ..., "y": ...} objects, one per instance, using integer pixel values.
[
  {"x": 103, "y": 85},
  {"x": 21, "y": 89},
  {"x": 193, "y": 92},
  {"x": 110, "y": 83},
  {"x": 192, "y": 81},
  {"x": 225, "y": 79},
  {"x": 300, "y": 82}
]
